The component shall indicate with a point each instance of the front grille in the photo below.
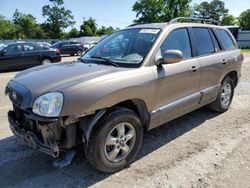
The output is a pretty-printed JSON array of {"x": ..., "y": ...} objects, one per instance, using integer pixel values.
[{"x": 14, "y": 96}]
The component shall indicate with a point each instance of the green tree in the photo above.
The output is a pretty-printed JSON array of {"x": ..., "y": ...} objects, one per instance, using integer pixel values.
[
  {"x": 26, "y": 25},
  {"x": 73, "y": 33},
  {"x": 88, "y": 28},
  {"x": 229, "y": 20},
  {"x": 148, "y": 11},
  {"x": 7, "y": 28},
  {"x": 105, "y": 30},
  {"x": 244, "y": 20},
  {"x": 58, "y": 18},
  {"x": 214, "y": 10}
]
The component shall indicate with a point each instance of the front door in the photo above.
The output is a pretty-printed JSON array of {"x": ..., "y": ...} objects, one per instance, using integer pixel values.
[
  {"x": 177, "y": 84},
  {"x": 11, "y": 57}
]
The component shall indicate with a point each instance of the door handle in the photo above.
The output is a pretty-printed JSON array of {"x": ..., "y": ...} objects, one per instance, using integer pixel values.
[
  {"x": 223, "y": 61},
  {"x": 194, "y": 68}
]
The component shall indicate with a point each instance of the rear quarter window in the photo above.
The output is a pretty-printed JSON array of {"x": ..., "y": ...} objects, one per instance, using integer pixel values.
[{"x": 226, "y": 39}]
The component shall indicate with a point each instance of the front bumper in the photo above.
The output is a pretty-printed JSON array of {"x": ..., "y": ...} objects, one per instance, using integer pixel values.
[{"x": 30, "y": 138}]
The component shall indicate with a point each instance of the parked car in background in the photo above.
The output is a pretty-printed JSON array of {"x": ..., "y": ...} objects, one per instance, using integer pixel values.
[
  {"x": 89, "y": 45},
  {"x": 24, "y": 55},
  {"x": 44, "y": 44},
  {"x": 69, "y": 47}
]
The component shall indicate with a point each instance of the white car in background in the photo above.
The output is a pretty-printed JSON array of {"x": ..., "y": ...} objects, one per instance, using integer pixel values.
[
  {"x": 89, "y": 45},
  {"x": 44, "y": 44}
]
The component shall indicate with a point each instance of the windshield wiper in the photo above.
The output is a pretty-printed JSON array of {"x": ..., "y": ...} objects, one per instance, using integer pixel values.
[
  {"x": 81, "y": 60},
  {"x": 106, "y": 60}
]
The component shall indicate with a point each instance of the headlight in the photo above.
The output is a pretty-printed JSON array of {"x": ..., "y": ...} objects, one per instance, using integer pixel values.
[{"x": 49, "y": 104}]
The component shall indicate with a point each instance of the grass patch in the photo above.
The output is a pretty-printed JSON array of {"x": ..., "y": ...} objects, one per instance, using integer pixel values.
[{"x": 245, "y": 50}]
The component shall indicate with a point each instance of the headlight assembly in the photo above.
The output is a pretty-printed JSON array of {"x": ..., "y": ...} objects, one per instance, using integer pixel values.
[{"x": 49, "y": 104}]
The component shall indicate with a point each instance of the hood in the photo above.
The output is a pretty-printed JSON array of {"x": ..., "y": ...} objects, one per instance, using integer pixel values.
[{"x": 60, "y": 76}]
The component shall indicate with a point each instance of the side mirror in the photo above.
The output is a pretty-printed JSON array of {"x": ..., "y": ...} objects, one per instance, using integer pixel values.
[{"x": 170, "y": 56}]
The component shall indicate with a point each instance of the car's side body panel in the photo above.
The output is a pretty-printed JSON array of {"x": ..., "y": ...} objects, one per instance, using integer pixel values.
[{"x": 129, "y": 84}]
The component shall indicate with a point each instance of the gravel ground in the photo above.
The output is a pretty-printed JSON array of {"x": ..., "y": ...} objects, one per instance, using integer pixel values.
[{"x": 200, "y": 149}]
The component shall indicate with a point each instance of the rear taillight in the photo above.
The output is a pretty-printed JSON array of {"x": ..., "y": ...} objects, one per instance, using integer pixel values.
[{"x": 58, "y": 52}]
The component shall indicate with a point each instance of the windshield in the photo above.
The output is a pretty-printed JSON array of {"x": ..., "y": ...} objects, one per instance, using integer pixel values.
[
  {"x": 57, "y": 44},
  {"x": 126, "y": 48}
]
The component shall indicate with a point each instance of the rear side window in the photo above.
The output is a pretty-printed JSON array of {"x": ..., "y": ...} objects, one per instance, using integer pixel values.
[
  {"x": 204, "y": 43},
  {"x": 226, "y": 39},
  {"x": 178, "y": 40},
  {"x": 31, "y": 47}
]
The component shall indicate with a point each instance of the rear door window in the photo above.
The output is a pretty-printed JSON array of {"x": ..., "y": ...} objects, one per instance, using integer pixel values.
[
  {"x": 226, "y": 39},
  {"x": 203, "y": 41},
  {"x": 31, "y": 47}
]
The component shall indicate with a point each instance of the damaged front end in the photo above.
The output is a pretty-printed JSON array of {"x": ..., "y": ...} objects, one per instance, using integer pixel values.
[{"x": 47, "y": 134}]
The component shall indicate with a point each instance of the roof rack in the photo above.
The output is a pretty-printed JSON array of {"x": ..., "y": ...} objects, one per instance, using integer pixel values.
[
  {"x": 135, "y": 24},
  {"x": 202, "y": 20}
]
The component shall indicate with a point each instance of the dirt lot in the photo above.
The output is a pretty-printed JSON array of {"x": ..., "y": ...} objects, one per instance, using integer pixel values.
[{"x": 201, "y": 149}]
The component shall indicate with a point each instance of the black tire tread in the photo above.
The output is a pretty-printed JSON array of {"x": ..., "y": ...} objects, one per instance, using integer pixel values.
[
  {"x": 90, "y": 147},
  {"x": 216, "y": 105}
]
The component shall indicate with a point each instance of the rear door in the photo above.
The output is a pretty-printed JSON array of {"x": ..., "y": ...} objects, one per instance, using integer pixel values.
[
  {"x": 213, "y": 61},
  {"x": 11, "y": 57},
  {"x": 31, "y": 55},
  {"x": 64, "y": 47},
  {"x": 177, "y": 84},
  {"x": 72, "y": 47}
]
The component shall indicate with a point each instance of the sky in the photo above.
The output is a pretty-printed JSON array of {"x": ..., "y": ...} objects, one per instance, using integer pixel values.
[{"x": 115, "y": 13}]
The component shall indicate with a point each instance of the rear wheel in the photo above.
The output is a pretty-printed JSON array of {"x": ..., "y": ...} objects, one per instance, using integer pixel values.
[
  {"x": 46, "y": 61},
  {"x": 115, "y": 140},
  {"x": 225, "y": 96},
  {"x": 79, "y": 52}
]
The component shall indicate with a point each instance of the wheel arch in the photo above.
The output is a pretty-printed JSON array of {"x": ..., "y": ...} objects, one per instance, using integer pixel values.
[
  {"x": 46, "y": 57},
  {"x": 136, "y": 105},
  {"x": 234, "y": 76},
  {"x": 139, "y": 107}
]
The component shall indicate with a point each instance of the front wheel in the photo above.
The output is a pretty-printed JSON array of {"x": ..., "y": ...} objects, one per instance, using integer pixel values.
[
  {"x": 115, "y": 140},
  {"x": 225, "y": 96}
]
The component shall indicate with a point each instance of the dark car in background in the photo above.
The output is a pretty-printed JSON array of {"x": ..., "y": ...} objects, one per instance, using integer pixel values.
[
  {"x": 69, "y": 47},
  {"x": 24, "y": 55}
]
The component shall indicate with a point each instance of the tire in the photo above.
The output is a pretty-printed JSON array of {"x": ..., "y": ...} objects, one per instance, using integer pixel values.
[
  {"x": 79, "y": 52},
  {"x": 45, "y": 61},
  {"x": 225, "y": 96},
  {"x": 72, "y": 54},
  {"x": 99, "y": 149}
]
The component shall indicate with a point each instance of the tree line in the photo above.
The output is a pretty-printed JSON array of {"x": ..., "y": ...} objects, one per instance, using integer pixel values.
[
  {"x": 149, "y": 11},
  {"x": 24, "y": 26},
  {"x": 57, "y": 19}
]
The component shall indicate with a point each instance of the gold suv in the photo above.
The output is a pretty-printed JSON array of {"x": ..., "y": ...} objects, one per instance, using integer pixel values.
[{"x": 134, "y": 79}]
